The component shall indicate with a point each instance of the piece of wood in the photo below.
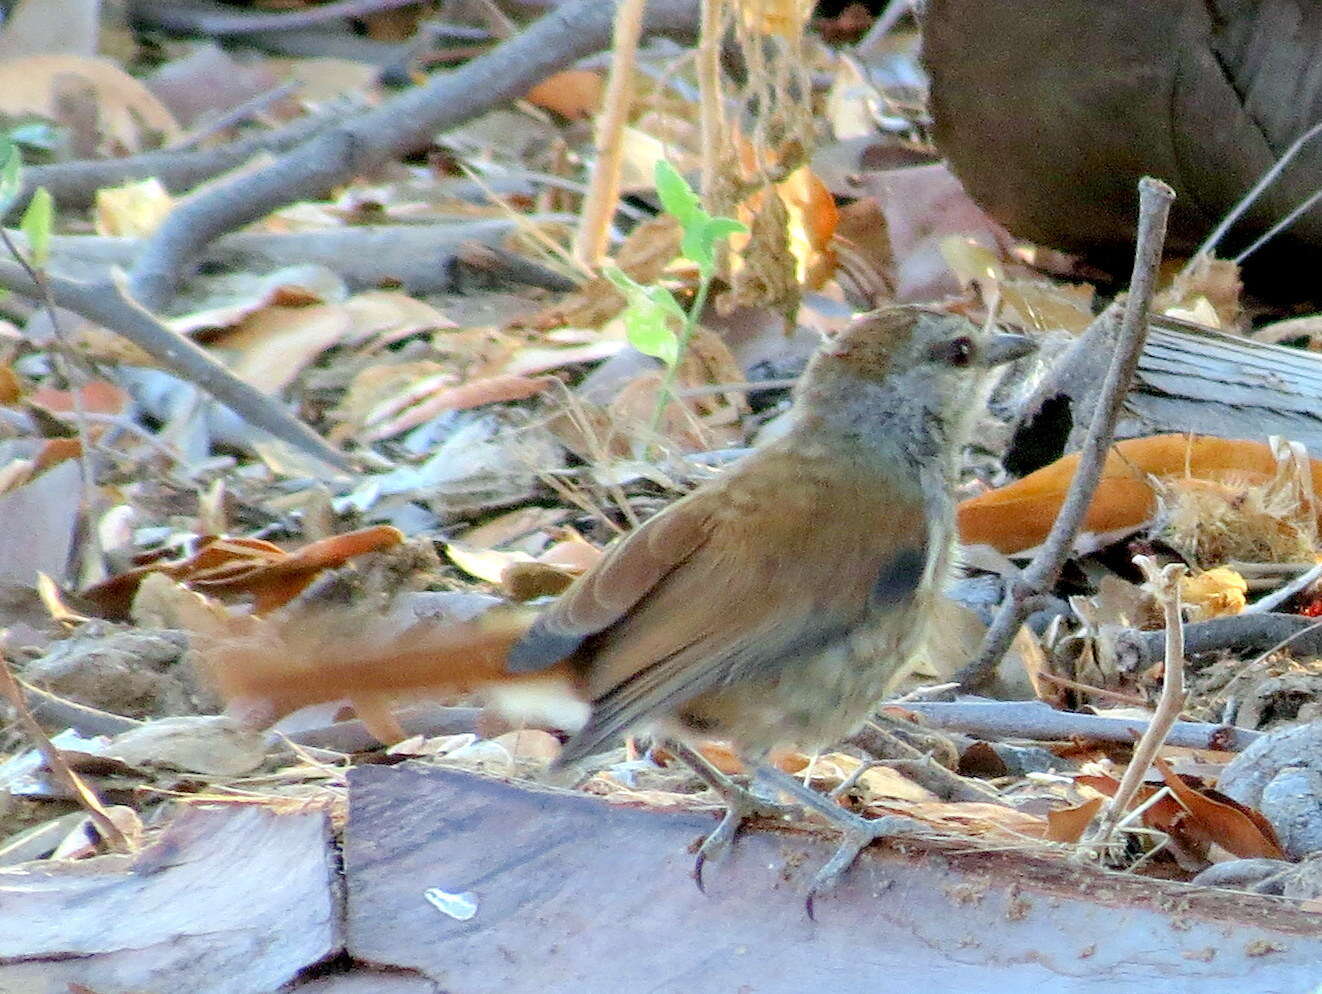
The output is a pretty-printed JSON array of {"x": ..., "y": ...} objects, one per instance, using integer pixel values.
[
  {"x": 573, "y": 894},
  {"x": 229, "y": 900},
  {"x": 1189, "y": 378}
]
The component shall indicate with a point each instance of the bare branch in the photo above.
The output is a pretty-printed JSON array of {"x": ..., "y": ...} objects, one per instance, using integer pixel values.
[{"x": 1155, "y": 198}]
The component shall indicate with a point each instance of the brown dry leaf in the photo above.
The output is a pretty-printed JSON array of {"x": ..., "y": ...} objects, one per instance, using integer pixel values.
[
  {"x": 879, "y": 784},
  {"x": 719, "y": 754},
  {"x": 1043, "y": 306},
  {"x": 574, "y": 93},
  {"x": 275, "y": 344},
  {"x": 96, "y": 396},
  {"x": 384, "y": 317},
  {"x": 1018, "y": 516},
  {"x": 695, "y": 423},
  {"x": 1235, "y": 828},
  {"x": 474, "y": 393},
  {"x": 325, "y": 80},
  {"x": 978, "y": 818},
  {"x": 530, "y": 744},
  {"x": 11, "y": 386},
  {"x": 237, "y": 566},
  {"x": 512, "y": 526},
  {"x": 644, "y": 256},
  {"x": 134, "y": 210},
  {"x": 226, "y": 300},
  {"x": 1034, "y": 661},
  {"x": 129, "y": 117},
  {"x": 374, "y": 386},
  {"x": 1165, "y": 815},
  {"x": 1069, "y": 824}
]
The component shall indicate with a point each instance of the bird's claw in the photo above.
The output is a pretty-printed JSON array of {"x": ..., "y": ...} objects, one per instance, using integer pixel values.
[
  {"x": 740, "y": 805},
  {"x": 856, "y": 835}
]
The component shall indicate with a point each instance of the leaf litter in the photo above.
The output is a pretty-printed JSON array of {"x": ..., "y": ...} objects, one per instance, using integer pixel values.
[{"x": 514, "y": 429}]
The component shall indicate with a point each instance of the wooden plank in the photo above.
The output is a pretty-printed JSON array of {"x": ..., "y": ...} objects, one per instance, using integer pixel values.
[{"x": 573, "y": 894}]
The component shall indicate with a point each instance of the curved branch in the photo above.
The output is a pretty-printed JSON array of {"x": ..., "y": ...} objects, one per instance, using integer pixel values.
[{"x": 402, "y": 125}]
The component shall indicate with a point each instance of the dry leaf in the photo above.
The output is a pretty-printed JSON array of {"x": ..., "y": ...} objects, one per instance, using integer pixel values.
[
  {"x": 237, "y": 566},
  {"x": 574, "y": 93},
  {"x": 1213, "y": 593},
  {"x": 1018, "y": 516},
  {"x": 129, "y": 117},
  {"x": 1234, "y": 827},
  {"x": 1069, "y": 824},
  {"x": 134, "y": 210}
]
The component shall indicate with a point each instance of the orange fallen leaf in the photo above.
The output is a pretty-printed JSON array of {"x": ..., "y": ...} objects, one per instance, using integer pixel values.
[
  {"x": 251, "y": 566},
  {"x": 574, "y": 93},
  {"x": 1019, "y": 515},
  {"x": 1235, "y": 828},
  {"x": 1069, "y": 824}
]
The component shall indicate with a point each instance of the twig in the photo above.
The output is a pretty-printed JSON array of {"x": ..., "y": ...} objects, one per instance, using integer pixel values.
[
  {"x": 74, "y": 184},
  {"x": 219, "y": 20},
  {"x": 711, "y": 120},
  {"x": 1299, "y": 210},
  {"x": 1164, "y": 583},
  {"x": 106, "y": 305},
  {"x": 404, "y": 124},
  {"x": 80, "y": 717},
  {"x": 593, "y": 235},
  {"x": 920, "y": 767},
  {"x": 1243, "y": 632},
  {"x": 889, "y": 17},
  {"x": 1272, "y": 601},
  {"x": 1155, "y": 198},
  {"x": 1039, "y": 722},
  {"x": 236, "y": 115},
  {"x": 55, "y": 762},
  {"x": 1214, "y": 237}
]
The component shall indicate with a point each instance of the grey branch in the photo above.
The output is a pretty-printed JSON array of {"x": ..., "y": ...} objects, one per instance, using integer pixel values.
[
  {"x": 404, "y": 124},
  {"x": 1155, "y": 198}
]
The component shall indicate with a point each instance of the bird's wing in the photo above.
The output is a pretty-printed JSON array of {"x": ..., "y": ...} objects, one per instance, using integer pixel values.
[
  {"x": 773, "y": 563},
  {"x": 630, "y": 569}
]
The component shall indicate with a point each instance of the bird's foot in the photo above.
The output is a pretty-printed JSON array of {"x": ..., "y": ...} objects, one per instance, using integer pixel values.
[
  {"x": 857, "y": 833},
  {"x": 741, "y": 804}
]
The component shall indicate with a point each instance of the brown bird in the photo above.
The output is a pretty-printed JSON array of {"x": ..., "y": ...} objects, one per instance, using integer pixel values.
[{"x": 774, "y": 605}]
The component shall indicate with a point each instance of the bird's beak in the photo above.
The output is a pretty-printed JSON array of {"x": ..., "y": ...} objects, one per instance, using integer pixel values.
[{"x": 1005, "y": 348}]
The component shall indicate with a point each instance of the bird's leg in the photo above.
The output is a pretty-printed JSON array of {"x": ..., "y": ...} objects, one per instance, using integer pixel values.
[
  {"x": 858, "y": 833},
  {"x": 740, "y": 805}
]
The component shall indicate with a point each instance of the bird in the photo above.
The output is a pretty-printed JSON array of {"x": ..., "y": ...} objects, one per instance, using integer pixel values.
[{"x": 774, "y": 605}]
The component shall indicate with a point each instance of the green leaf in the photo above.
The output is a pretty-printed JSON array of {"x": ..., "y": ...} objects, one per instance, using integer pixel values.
[
  {"x": 649, "y": 332},
  {"x": 717, "y": 228},
  {"x": 677, "y": 197},
  {"x": 664, "y": 301},
  {"x": 11, "y": 183},
  {"x": 38, "y": 220},
  {"x": 698, "y": 249}
]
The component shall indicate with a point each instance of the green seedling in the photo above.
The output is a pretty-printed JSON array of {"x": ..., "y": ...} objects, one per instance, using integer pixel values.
[
  {"x": 39, "y": 216},
  {"x": 652, "y": 312}
]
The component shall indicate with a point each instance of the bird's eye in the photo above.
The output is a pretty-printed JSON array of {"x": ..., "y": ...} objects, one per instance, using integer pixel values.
[{"x": 955, "y": 352}]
